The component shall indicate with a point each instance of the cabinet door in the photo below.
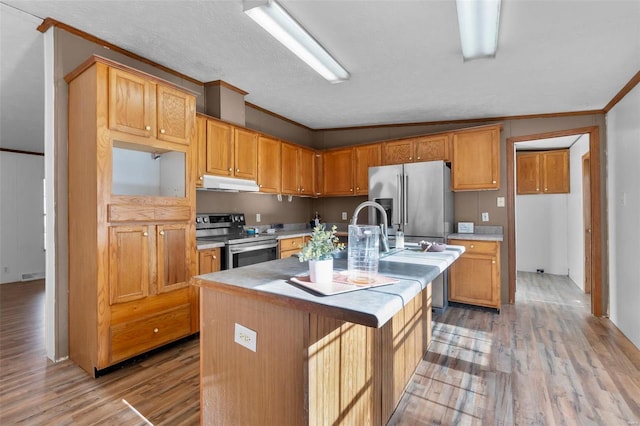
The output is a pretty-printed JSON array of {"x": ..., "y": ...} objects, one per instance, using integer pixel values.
[
  {"x": 472, "y": 280},
  {"x": 528, "y": 172},
  {"x": 245, "y": 153},
  {"x": 269, "y": 165},
  {"x": 555, "y": 179},
  {"x": 365, "y": 156},
  {"x": 208, "y": 261},
  {"x": 306, "y": 170},
  {"x": 173, "y": 256},
  {"x": 337, "y": 170},
  {"x": 175, "y": 115},
  {"x": 131, "y": 103},
  {"x": 289, "y": 171},
  {"x": 431, "y": 148},
  {"x": 128, "y": 263},
  {"x": 397, "y": 152},
  {"x": 476, "y": 159},
  {"x": 219, "y": 149}
]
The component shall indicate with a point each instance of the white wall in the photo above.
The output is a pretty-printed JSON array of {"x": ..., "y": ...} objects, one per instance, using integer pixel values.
[
  {"x": 21, "y": 216},
  {"x": 623, "y": 188},
  {"x": 575, "y": 218},
  {"x": 541, "y": 233}
]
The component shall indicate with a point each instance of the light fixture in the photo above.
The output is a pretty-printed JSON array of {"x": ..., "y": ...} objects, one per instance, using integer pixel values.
[
  {"x": 277, "y": 22},
  {"x": 478, "y": 21}
]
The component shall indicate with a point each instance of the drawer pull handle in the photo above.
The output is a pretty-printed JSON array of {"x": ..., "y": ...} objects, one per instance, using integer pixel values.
[
  {"x": 472, "y": 246},
  {"x": 155, "y": 330}
]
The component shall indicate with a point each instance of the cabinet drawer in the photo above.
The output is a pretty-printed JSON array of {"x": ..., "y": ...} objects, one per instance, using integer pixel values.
[
  {"x": 291, "y": 243},
  {"x": 137, "y": 213},
  {"x": 138, "y": 336},
  {"x": 477, "y": 247}
]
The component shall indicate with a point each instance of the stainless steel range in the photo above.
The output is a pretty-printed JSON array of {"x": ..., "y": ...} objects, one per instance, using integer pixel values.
[{"x": 241, "y": 249}]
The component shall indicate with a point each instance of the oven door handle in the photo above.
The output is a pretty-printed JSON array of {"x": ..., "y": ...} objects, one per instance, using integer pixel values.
[{"x": 235, "y": 250}]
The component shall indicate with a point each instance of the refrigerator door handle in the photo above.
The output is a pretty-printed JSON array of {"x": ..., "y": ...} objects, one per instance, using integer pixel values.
[
  {"x": 399, "y": 199},
  {"x": 405, "y": 208}
]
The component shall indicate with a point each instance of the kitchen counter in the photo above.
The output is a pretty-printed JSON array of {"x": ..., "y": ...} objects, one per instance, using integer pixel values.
[
  {"x": 372, "y": 307},
  {"x": 340, "y": 359},
  {"x": 475, "y": 237}
]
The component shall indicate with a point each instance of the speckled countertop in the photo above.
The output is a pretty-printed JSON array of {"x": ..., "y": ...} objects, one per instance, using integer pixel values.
[
  {"x": 373, "y": 307},
  {"x": 481, "y": 233}
]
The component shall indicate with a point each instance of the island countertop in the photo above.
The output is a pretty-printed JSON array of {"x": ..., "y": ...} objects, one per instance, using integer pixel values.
[{"x": 372, "y": 307}]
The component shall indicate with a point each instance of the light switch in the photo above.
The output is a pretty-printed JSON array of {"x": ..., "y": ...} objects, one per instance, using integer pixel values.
[
  {"x": 485, "y": 216},
  {"x": 500, "y": 201},
  {"x": 258, "y": 218},
  {"x": 245, "y": 337},
  {"x": 344, "y": 215}
]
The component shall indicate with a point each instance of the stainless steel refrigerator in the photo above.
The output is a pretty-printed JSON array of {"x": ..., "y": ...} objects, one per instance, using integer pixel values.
[{"x": 418, "y": 201}]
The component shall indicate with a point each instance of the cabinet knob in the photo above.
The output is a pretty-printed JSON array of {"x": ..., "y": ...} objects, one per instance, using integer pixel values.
[
  {"x": 162, "y": 131},
  {"x": 147, "y": 127},
  {"x": 237, "y": 170},
  {"x": 230, "y": 169},
  {"x": 493, "y": 261},
  {"x": 146, "y": 234},
  {"x": 214, "y": 257},
  {"x": 418, "y": 158},
  {"x": 351, "y": 189},
  {"x": 472, "y": 246},
  {"x": 201, "y": 178},
  {"x": 410, "y": 158},
  {"x": 494, "y": 181},
  {"x": 357, "y": 188},
  {"x": 301, "y": 189},
  {"x": 155, "y": 330},
  {"x": 260, "y": 185},
  {"x": 161, "y": 232}
]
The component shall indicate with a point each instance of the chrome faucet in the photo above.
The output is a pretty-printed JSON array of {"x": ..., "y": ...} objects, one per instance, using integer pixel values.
[{"x": 383, "y": 226}]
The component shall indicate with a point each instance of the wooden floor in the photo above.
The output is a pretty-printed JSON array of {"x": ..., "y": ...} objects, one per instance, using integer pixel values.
[{"x": 542, "y": 361}]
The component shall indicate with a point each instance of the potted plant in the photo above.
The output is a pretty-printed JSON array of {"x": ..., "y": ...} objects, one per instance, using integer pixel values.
[{"x": 319, "y": 252}]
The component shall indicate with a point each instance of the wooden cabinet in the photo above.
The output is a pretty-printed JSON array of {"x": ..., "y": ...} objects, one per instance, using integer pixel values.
[
  {"x": 298, "y": 170},
  {"x": 208, "y": 261},
  {"x": 421, "y": 148},
  {"x": 290, "y": 246},
  {"x": 269, "y": 165},
  {"x": 365, "y": 156},
  {"x": 475, "y": 159},
  {"x": 346, "y": 170},
  {"x": 131, "y": 244},
  {"x": 337, "y": 172},
  {"x": 231, "y": 151},
  {"x": 542, "y": 172},
  {"x": 145, "y": 108},
  {"x": 475, "y": 277}
]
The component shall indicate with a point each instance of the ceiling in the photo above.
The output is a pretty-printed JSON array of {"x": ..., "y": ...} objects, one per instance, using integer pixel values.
[{"x": 404, "y": 56}]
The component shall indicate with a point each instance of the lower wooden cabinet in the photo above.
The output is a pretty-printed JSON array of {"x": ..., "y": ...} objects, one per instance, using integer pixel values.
[
  {"x": 475, "y": 277},
  {"x": 208, "y": 261},
  {"x": 287, "y": 247}
]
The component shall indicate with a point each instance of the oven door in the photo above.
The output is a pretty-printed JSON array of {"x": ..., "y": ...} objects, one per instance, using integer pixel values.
[{"x": 249, "y": 253}]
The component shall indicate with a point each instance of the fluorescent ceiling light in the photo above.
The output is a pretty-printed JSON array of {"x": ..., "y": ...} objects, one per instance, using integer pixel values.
[
  {"x": 478, "y": 21},
  {"x": 275, "y": 20}
]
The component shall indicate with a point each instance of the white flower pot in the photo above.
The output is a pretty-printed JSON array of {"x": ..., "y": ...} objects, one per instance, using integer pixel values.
[{"x": 321, "y": 271}]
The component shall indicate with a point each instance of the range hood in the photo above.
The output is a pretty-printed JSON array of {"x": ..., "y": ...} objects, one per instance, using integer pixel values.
[{"x": 221, "y": 183}]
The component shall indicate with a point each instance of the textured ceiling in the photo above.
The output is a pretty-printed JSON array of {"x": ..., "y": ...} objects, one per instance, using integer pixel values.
[{"x": 404, "y": 56}]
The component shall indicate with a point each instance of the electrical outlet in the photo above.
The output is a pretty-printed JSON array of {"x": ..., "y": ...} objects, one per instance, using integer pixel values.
[
  {"x": 500, "y": 201},
  {"x": 245, "y": 337},
  {"x": 485, "y": 216},
  {"x": 258, "y": 218},
  {"x": 344, "y": 215}
]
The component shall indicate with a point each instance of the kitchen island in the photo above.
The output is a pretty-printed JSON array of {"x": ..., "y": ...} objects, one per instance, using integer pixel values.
[{"x": 273, "y": 352}]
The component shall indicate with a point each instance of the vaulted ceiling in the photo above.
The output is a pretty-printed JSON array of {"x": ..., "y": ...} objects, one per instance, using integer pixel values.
[{"x": 404, "y": 56}]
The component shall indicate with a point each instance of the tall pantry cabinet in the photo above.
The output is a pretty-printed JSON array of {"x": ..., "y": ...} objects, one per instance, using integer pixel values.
[{"x": 131, "y": 154}]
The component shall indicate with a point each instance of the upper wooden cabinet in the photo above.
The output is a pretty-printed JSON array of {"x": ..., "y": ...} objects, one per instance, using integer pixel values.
[
  {"x": 269, "y": 165},
  {"x": 230, "y": 151},
  {"x": 542, "y": 172},
  {"x": 365, "y": 156},
  {"x": 337, "y": 171},
  {"x": 422, "y": 148},
  {"x": 475, "y": 159},
  {"x": 298, "y": 169},
  {"x": 346, "y": 170},
  {"x": 144, "y": 108}
]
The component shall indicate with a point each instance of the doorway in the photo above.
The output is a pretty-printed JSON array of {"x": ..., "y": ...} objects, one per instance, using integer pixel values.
[{"x": 593, "y": 224}]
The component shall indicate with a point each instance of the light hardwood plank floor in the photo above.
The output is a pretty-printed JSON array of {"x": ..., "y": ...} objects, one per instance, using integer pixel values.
[{"x": 542, "y": 361}]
